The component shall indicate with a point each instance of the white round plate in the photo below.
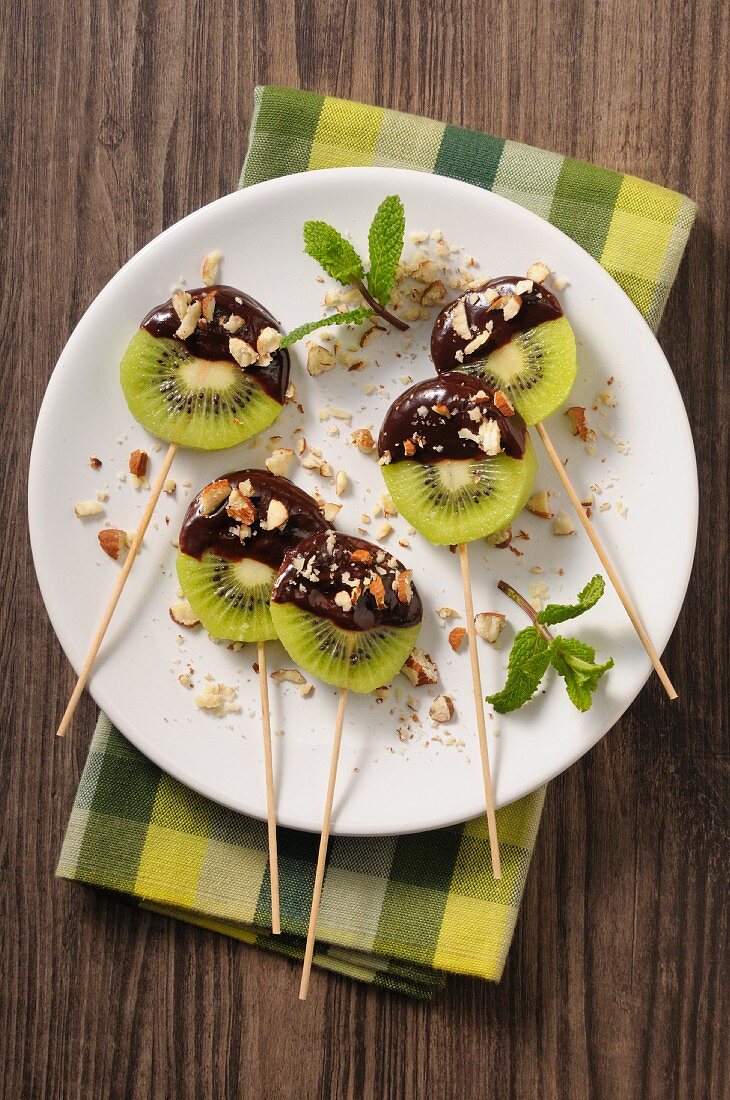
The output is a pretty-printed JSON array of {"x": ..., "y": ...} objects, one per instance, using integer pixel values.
[{"x": 644, "y": 465}]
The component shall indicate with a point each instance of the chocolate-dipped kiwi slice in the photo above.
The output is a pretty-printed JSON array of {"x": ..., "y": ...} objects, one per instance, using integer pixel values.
[
  {"x": 456, "y": 457},
  {"x": 346, "y": 610},
  {"x": 205, "y": 369},
  {"x": 232, "y": 541},
  {"x": 512, "y": 334}
]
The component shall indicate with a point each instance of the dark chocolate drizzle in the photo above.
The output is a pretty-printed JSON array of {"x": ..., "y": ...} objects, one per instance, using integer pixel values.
[
  {"x": 210, "y": 339},
  {"x": 217, "y": 532},
  {"x": 538, "y": 306},
  {"x": 331, "y": 558},
  {"x": 436, "y": 434}
]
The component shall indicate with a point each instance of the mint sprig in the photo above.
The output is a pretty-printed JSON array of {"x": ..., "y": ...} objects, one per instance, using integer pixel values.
[
  {"x": 352, "y": 317},
  {"x": 336, "y": 255},
  {"x": 534, "y": 649}
]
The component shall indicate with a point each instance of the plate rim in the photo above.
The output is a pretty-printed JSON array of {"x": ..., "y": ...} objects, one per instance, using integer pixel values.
[{"x": 283, "y": 183}]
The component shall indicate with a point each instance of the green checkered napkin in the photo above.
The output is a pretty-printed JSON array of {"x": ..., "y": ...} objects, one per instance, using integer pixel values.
[{"x": 397, "y": 912}]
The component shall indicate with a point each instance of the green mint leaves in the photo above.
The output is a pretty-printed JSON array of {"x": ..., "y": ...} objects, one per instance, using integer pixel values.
[
  {"x": 561, "y": 612},
  {"x": 338, "y": 258},
  {"x": 535, "y": 649},
  {"x": 528, "y": 662},
  {"x": 385, "y": 243},
  {"x": 332, "y": 252},
  {"x": 352, "y": 317}
]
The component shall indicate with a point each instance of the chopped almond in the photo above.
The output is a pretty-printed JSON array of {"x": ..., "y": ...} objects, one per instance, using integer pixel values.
[
  {"x": 501, "y": 539},
  {"x": 88, "y": 508},
  {"x": 363, "y": 556},
  {"x": 340, "y": 482},
  {"x": 434, "y": 292},
  {"x": 213, "y": 495},
  {"x": 441, "y": 709},
  {"x": 210, "y": 268},
  {"x": 480, "y": 339},
  {"x": 183, "y": 614},
  {"x": 94, "y": 462},
  {"x": 363, "y": 440},
  {"x": 208, "y": 307},
  {"x": 169, "y": 486},
  {"x": 233, "y": 324},
  {"x": 269, "y": 341},
  {"x": 377, "y": 590},
  {"x": 563, "y": 524},
  {"x": 459, "y": 321},
  {"x": 276, "y": 516},
  {"x": 489, "y": 625},
  {"x": 420, "y": 668},
  {"x": 138, "y": 462},
  {"x": 512, "y": 306},
  {"x": 447, "y": 613},
  {"x": 538, "y": 272},
  {"x": 539, "y": 504},
  {"x": 242, "y": 352},
  {"x": 404, "y": 588},
  {"x": 409, "y": 447},
  {"x": 280, "y": 461},
  {"x": 579, "y": 427},
  {"x": 502, "y": 403},
  {"x": 113, "y": 542},
  {"x": 189, "y": 322},
  {"x": 180, "y": 302},
  {"x": 456, "y": 637},
  {"x": 240, "y": 507},
  {"x": 344, "y": 600},
  {"x": 287, "y": 675},
  {"x": 330, "y": 510},
  {"x": 319, "y": 359}
]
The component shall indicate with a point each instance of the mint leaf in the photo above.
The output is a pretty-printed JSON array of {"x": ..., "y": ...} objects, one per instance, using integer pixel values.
[
  {"x": 385, "y": 242},
  {"x": 332, "y": 252},
  {"x": 528, "y": 662},
  {"x": 353, "y": 317},
  {"x": 575, "y": 661},
  {"x": 560, "y": 612}
]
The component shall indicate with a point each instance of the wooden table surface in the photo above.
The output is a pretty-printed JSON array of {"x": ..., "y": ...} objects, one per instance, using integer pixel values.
[{"x": 120, "y": 119}]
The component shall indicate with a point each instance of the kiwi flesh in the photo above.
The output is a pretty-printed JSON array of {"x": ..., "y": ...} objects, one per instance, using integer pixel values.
[
  {"x": 231, "y": 598},
  {"x": 536, "y": 369},
  {"x": 205, "y": 404},
  {"x": 360, "y": 660},
  {"x": 454, "y": 501}
]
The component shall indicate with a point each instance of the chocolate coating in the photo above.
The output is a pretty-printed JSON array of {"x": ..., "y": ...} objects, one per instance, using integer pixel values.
[
  {"x": 210, "y": 339},
  {"x": 538, "y": 306},
  {"x": 217, "y": 531},
  {"x": 435, "y": 435},
  {"x": 319, "y": 568}
]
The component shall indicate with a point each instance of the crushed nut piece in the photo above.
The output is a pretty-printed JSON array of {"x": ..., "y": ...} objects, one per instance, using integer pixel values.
[
  {"x": 287, "y": 675},
  {"x": 503, "y": 404},
  {"x": 138, "y": 461},
  {"x": 189, "y": 322},
  {"x": 280, "y": 461},
  {"x": 210, "y": 268},
  {"x": 501, "y": 539},
  {"x": 319, "y": 359},
  {"x": 538, "y": 272},
  {"x": 363, "y": 440},
  {"x": 343, "y": 600},
  {"x": 240, "y": 507},
  {"x": 539, "y": 504},
  {"x": 363, "y": 556},
  {"x": 563, "y": 524},
  {"x": 340, "y": 482},
  {"x": 459, "y": 321},
  {"x": 242, "y": 352},
  {"x": 456, "y": 637},
  {"x": 489, "y": 625},
  {"x": 113, "y": 542},
  {"x": 404, "y": 588},
  {"x": 441, "y": 709},
  {"x": 182, "y": 613},
  {"x": 88, "y": 508},
  {"x": 269, "y": 341},
  {"x": 94, "y": 462},
  {"x": 276, "y": 516},
  {"x": 213, "y": 495},
  {"x": 447, "y": 613},
  {"x": 420, "y": 669},
  {"x": 208, "y": 307},
  {"x": 169, "y": 486},
  {"x": 579, "y": 427}
]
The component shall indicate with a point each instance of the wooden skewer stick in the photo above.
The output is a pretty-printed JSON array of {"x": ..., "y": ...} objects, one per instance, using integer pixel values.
[
  {"x": 606, "y": 563},
  {"x": 270, "y": 799},
  {"x": 323, "y": 842},
  {"x": 479, "y": 707},
  {"x": 121, "y": 581}
]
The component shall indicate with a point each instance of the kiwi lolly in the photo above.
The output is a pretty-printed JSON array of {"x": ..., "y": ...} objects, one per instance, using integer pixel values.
[
  {"x": 232, "y": 541},
  {"x": 456, "y": 458},
  {"x": 513, "y": 335},
  {"x": 346, "y": 610},
  {"x": 204, "y": 369}
]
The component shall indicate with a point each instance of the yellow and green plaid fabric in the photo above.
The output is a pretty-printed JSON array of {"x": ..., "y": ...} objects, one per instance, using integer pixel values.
[
  {"x": 636, "y": 230},
  {"x": 397, "y": 912}
]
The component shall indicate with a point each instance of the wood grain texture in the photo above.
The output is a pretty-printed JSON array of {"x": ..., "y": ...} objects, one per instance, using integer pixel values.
[{"x": 118, "y": 120}]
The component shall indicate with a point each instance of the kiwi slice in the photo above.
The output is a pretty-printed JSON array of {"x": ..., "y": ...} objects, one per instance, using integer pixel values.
[
  {"x": 535, "y": 369},
  {"x": 201, "y": 403},
  {"x": 455, "y": 501},
  {"x": 360, "y": 660},
  {"x": 231, "y": 598}
]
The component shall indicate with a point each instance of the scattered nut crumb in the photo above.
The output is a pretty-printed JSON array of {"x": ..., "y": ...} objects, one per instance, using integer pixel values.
[
  {"x": 88, "y": 508},
  {"x": 420, "y": 669},
  {"x": 287, "y": 675},
  {"x": 456, "y": 637},
  {"x": 138, "y": 462},
  {"x": 441, "y": 709},
  {"x": 113, "y": 542},
  {"x": 182, "y": 613},
  {"x": 279, "y": 461},
  {"x": 210, "y": 268},
  {"x": 489, "y": 625},
  {"x": 563, "y": 524}
]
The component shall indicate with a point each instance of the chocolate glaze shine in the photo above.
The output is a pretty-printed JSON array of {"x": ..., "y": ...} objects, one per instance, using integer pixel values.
[
  {"x": 200, "y": 533},
  {"x": 331, "y": 558},
  {"x": 440, "y": 431},
  {"x": 538, "y": 305},
  {"x": 210, "y": 339}
]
